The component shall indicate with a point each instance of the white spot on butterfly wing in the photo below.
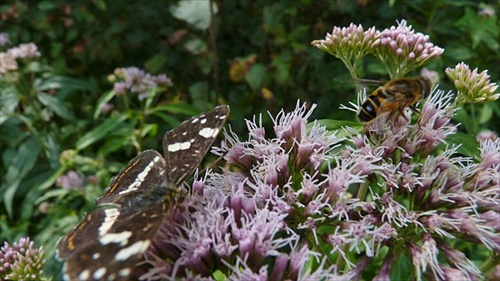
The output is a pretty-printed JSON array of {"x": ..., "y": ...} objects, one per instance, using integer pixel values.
[
  {"x": 98, "y": 274},
  {"x": 109, "y": 220},
  {"x": 179, "y": 146},
  {"x": 124, "y": 272},
  {"x": 134, "y": 249},
  {"x": 84, "y": 275},
  {"x": 121, "y": 237},
  {"x": 208, "y": 132},
  {"x": 141, "y": 176}
]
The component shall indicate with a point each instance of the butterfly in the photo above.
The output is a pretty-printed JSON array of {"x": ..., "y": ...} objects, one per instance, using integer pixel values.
[{"x": 109, "y": 242}]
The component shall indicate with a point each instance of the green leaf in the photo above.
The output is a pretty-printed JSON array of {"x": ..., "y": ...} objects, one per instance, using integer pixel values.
[
  {"x": 196, "y": 46},
  {"x": 18, "y": 168},
  {"x": 52, "y": 179},
  {"x": 100, "y": 4},
  {"x": 56, "y": 193},
  {"x": 199, "y": 90},
  {"x": 150, "y": 129},
  {"x": 468, "y": 144},
  {"x": 114, "y": 145},
  {"x": 466, "y": 120},
  {"x": 255, "y": 76},
  {"x": 52, "y": 150},
  {"x": 168, "y": 119},
  {"x": 337, "y": 126},
  {"x": 219, "y": 275},
  {"x": 486, "y": 113},
  {"x": 156, "y": 63},
  {"x": 9, "y": 102},
  {"x": 46, "y": 5},
  {"x": 175, "y": 108},
  {"x": 282, "y": 66},
  {"x": 402, "y": 268},
  {"x": 55, "y": 105},
  {"x": 99, "y": 132},
  {"x": 103, "y": 100},
  {"x": 64, "y": 84}
]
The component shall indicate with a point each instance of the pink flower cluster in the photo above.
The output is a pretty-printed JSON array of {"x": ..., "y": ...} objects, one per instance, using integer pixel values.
[
  {"x": 472, "y": 86},
  {"x": 301, "y": 203},
  {"x": 21, "y": 261},
  {"x": 400, "y": 48},
  {"x": 9, "y": 60},
  {"x": 139, "y": 82}
]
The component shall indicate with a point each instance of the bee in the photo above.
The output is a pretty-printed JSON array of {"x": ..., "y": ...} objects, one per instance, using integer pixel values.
[{"x": 393, "y": 97}]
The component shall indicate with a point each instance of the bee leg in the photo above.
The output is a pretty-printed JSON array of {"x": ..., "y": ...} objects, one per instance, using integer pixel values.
[{"x": 414, "y": 109}]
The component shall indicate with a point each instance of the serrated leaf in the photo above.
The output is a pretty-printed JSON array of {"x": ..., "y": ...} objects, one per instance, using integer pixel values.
[{"x": 99, "y": 132}]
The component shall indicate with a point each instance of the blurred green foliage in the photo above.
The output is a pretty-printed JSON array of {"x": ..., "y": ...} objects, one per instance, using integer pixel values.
[{"x": 253, "y": 55}]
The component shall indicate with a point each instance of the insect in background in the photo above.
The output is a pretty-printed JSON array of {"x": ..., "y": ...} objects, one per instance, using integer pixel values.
[
  {"x": 110, "y": 241},
  {"x": 393, "y": 97}
]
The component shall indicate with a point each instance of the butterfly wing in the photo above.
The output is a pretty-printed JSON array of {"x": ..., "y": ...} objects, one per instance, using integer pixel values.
[
  {"x": 186, "y": 145},
  {"x": 142, "y": 174},
  {"x": 123, "y": 236}
]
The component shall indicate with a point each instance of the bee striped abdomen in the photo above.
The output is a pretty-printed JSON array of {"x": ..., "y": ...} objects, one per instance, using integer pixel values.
[{"x": 370, "y": 107}]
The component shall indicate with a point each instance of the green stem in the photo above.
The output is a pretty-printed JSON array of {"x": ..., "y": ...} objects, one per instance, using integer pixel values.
[
  {"x": 363, "y": 189},
  {"x": 490, "y": 264}
]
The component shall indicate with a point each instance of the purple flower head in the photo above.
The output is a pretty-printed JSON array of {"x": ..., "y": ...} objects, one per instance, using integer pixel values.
[
  {"x": 431, "y": 75},
  {"x": 70, "y": 180},
  {"x": 472, "y": 86},
  {"x": 383, "y": 194},
  {"x": 486, "y": 135},
  {"x": 451, "y": 196},
  {"x": 107, "y": 107},
  {"x": 7, "y": 63},
  {"x": 21, "y": 261},
  {"x": 137, "y": 81},
  {"x": 4, "y": 39},
  {"x": 24, "y": 51},
  {"x": 486, "y": 11},
  {"x": 349, "y": 44},
  {"x": 120, "y": 88},
  {"x": 399, "y": 48},
  {"x": 402, "y": 49}
]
